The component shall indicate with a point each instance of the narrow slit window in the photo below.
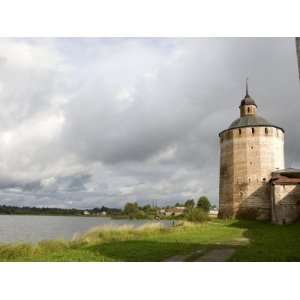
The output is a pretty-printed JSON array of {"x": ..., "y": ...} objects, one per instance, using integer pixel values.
[
  {"x": 240, "y": 131},
  {"x": 248, "y": 109},
  {"x": 253, "y": 131},
  {"x": 266, "y": 131}
]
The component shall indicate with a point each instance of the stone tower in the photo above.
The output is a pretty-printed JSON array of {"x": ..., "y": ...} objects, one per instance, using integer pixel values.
[{"x": 250, "y": 150}]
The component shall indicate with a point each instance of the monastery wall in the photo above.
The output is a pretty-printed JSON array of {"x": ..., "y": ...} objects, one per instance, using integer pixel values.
[{"x": 285, "y": 203}]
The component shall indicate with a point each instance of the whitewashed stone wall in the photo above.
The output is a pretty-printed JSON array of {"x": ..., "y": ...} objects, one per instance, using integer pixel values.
[{"x": 285, "y": 203}]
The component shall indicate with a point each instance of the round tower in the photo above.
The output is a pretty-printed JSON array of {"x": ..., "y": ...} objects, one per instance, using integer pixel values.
[{"x": 250, "y": 150}]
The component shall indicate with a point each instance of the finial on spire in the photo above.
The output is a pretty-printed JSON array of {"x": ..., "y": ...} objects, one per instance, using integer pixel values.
[
  {"x": 247, "y": 93},
  {"x": 247, "y": 100}
]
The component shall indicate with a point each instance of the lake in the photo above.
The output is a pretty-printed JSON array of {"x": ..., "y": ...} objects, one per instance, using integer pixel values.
[{"x": 16, "y": 228}]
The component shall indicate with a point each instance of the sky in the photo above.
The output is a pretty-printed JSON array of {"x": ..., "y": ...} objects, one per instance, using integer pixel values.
[{"x": 104, "y": 121}]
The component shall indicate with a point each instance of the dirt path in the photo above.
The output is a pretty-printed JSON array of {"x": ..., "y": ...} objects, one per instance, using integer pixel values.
[
  {"x": 188, "y": 257},
  {"x": 176, "y": 258},
  {"x": 217, "y": 255},
  {"x": 214, "y": 255}
]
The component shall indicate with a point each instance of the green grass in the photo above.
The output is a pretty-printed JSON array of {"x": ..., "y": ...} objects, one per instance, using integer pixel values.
[
  {"x": 269, "y": 242},
  {"x": 254, "y": 241}
]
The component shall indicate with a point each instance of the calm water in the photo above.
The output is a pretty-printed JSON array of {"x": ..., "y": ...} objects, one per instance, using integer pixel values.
[{"x": 37, "y": 228}]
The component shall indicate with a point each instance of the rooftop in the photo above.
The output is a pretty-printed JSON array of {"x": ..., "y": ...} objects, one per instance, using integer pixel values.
[
  {"x": 287, "y": 176},
  {"x": 249, "y": 119},
  {"x": 290, "y": 172},
  {"x": 248, "y": 101}
]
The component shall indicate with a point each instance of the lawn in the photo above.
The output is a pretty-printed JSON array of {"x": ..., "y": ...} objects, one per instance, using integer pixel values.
[{"x": 253, "y": 240}]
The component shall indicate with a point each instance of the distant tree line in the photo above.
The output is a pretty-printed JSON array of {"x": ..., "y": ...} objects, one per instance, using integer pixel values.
[
  {"x": 27, "y": 210},
  {"x": 190, "y": 210}
]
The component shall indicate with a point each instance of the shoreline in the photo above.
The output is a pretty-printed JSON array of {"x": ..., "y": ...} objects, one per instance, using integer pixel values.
[{"x": 234, "y": 240}]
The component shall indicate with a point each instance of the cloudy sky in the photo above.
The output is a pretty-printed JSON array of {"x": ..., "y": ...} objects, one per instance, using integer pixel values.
[{"x": 92, "y": 122}]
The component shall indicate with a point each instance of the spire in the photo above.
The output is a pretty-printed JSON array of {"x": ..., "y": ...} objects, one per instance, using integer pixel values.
[
  {"x": 247, "y": 99},
  {"x": 247, "y": 93}
]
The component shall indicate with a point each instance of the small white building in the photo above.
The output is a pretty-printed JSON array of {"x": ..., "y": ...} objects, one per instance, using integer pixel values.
[
  {"x": 213, "y": 212},
  {"x": 173, "y": 211}
]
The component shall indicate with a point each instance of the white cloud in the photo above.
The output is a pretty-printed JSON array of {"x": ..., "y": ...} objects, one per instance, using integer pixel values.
[{"x": 91, "y": 122}]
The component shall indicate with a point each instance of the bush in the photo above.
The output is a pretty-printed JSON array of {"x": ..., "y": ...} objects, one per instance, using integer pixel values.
[
  {"x": 140, "y": 215},
  {"x": 197, "y": 215}
]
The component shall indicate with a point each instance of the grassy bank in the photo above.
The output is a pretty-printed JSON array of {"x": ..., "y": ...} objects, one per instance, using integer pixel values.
[{"x": 254, "y": 241}]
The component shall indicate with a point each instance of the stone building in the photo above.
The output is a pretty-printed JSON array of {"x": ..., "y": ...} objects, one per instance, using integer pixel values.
[
  {"x": 285, "y": 196},
  {"x": 252, "y": 169}
]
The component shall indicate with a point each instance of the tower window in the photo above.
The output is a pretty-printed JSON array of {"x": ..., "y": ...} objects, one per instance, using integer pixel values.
[
  {"x": 253, "y": 130},
  {"x": 240, "y": 131},
  {"x": 266, "y": 131},
  {"x": 248, "y": 109}
]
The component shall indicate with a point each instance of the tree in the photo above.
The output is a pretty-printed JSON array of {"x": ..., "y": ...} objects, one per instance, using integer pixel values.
[
  {"x": 131, "y": 209},
  {"x": 189, "y": 203},
  {"x": 147, "y": 208},
  {"x": 204, "y": 203}
]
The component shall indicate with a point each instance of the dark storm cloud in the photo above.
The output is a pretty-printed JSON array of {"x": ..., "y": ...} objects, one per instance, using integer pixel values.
[{"x": 103, "y": 121}]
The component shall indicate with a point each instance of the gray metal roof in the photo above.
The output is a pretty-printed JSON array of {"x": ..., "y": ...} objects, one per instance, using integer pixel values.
[
  {"x": 288, "y": 172},
  {"x": 250, "y": 121}
]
